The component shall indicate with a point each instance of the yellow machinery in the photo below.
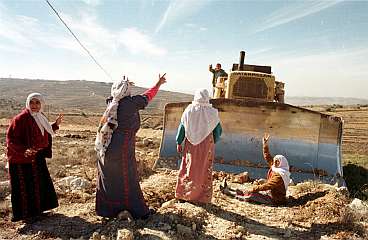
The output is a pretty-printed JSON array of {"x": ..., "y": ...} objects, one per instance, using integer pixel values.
[
  {"x": 250, "y": 82},
  {"x": 251, "y": 102}
]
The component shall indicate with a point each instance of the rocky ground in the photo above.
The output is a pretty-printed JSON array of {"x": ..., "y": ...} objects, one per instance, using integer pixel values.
[{"x": 314, "y": 211}]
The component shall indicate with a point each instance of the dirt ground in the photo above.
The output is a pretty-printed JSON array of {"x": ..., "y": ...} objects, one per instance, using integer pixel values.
[{"x": 314, "y": 211}]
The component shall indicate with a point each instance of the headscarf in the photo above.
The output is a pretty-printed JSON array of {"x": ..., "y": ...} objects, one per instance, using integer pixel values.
[
  {"x": 42, "y": 122},
  {"x": 199, "y": 118},
  {"x": 109, "y": 121},
  {"x": 282, "y": 169}
]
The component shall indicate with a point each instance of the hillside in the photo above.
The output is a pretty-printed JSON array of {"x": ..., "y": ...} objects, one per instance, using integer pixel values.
[
  {"x": 74, "y": 95},
  {"x": 308, "y": 101},
  {"x": 81, "y": 96}
]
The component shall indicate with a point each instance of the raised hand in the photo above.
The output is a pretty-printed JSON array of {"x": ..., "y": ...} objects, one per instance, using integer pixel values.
[
  {"x": 59, "y": 119},
  {"x": 161, "y": 79},
  {"x": 265, "y": 138}
]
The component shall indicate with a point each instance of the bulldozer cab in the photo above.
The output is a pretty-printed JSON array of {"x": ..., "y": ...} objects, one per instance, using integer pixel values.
[
  {"x": 249, "y": 82},
  {"x": 250, "y": 103}
]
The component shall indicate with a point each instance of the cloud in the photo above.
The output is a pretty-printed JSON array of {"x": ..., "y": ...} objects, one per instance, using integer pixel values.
[
  {"x": 28, "y": 33},
  {"x": 92, "y": 3},
  {"x": 178, "y": 9},
  {"x": 137, "y": 42},
  {"x": 294, "y": 11}
]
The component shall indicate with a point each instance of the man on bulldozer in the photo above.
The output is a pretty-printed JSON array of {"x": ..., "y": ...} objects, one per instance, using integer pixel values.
[{"x": 217, "y": 72}]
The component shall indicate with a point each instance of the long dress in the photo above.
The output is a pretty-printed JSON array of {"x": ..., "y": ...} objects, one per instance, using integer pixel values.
[
  {"x": 118, "y": 186},
  {"x": 195, "y": 173},
  {"x": 32, "y": 190}
]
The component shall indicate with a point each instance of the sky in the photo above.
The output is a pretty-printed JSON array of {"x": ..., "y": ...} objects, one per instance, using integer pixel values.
[{"x": 318, "y": 48}]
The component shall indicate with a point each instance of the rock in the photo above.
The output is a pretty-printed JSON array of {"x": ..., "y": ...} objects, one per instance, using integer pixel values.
[
  {"x": 124, "y": 234},
  {"x": 3, "y": 156},
  {"x": 241, "y": 178},
  {"x": 168, "y": 203},
  {"x": 95, "y": 236},
  {"x": 291, "y": 183},
  {"x": 287, "y": 233},
  {"x": 5, "y": 185},
  {"x": 125, "y": 215},
  {"x": 194, "y": 226},
  {"x": 183, "y": 230},
  {"x": 66, "y": 180},
  {"x": 359, "y": 206},
  {"x": 239, "y": 235},
  {"x": 240, "y": 229},
  {"x": 79, "y": 183},
  {"x": 147, "y": 141},
  {"x": 164, "y": 226},
  {"x": 75, "y": 183},
  {"x": 343, "y": 190},
  {"x": 140, "y": 144}
]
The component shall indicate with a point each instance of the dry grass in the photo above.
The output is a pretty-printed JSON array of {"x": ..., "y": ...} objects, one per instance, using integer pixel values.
[
  {"x": 354, "y": 221},
  {"x": 5, "y": 210},
  {"x": 317, "y": 208}
]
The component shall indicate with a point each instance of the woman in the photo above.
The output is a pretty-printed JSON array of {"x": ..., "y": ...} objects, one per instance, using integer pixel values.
[
  {"x": 278, "y": 179},
  {"x": 200, "y": 127},
  {"x": 118, "y": 187},
  {"x": 29, "y": 142}
]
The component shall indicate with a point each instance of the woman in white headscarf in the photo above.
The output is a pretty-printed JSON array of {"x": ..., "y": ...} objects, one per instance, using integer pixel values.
[
  {"x": 29, "y": 141},
  {"x": 278, "y": 179},
  {"x": 200, "y": 129},
  {"x": 118, "y": 186}
]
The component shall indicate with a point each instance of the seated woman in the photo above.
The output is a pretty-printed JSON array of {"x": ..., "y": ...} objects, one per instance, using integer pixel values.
[
  {"x": 278, "y": 179},
  {"x": 199, "y": 129}
]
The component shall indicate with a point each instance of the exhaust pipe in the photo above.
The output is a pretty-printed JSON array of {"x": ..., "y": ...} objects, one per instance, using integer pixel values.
[{"x": 241, "y": 61}]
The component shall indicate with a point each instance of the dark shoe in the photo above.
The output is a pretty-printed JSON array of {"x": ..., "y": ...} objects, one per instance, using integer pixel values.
[
  {"x": 223, "y": 185},
  {"x": 151, "y": 211},
  {"x": 30, "y": 220},
  {"x": 14, "y": 219}
]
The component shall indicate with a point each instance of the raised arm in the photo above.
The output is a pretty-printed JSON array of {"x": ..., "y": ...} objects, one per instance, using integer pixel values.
[
  {"x": 151, "y": 93},
  {"x": 142, "y": 100},
  {"x": 266, "y": 151},
  {"x": 211, "y": 69},
  {"x": 56, "y": 124}
]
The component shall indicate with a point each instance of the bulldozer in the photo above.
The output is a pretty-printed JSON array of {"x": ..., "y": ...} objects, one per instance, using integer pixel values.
[{"x": 250, "y": 103}]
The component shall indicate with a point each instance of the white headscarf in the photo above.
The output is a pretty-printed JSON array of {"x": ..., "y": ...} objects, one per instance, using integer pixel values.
[
  {"x": 109, "y": 121},
  {"x": 199, "y": 118},
  {"x": 282, "y": 169},
  {"x": 39, "y": 117}
]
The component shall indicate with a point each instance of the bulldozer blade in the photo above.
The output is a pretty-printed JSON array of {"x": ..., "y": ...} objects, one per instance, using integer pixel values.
[{"x": 311, "y": 141}]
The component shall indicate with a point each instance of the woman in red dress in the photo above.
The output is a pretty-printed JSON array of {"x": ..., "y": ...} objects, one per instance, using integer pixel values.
[{"x": 29, "y": 141}]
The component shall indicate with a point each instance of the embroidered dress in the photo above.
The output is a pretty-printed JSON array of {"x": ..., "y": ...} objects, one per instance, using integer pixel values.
[
  {"x": 32, "y": 190},
  {"x": 118, "y": 186}
]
